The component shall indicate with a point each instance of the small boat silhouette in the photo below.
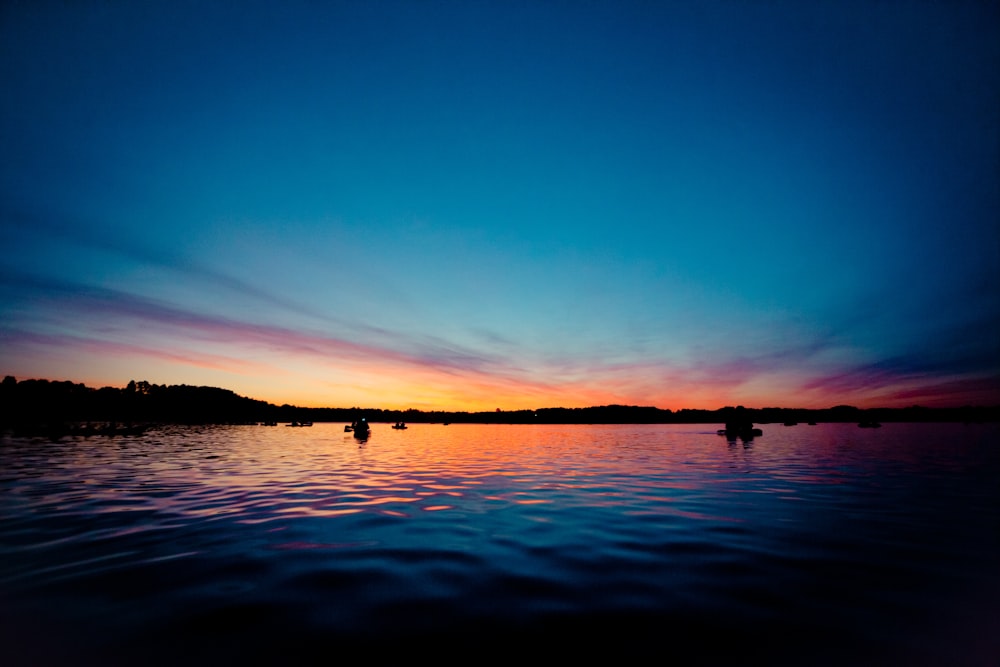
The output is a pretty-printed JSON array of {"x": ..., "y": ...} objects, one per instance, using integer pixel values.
[{"x": 361, "y": 429}]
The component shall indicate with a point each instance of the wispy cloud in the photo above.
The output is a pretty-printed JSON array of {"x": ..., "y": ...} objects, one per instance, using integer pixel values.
[
  {"x": 87, "y": 236},
  {"x": 96, "y": 309},
  {"x": 105, "y": 321},
  {"x": 87, "y": 345},
  {"x": 962, "y": 391}
]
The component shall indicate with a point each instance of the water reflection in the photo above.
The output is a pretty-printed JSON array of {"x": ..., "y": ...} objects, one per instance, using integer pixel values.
[{"x": 826, "y": 530}]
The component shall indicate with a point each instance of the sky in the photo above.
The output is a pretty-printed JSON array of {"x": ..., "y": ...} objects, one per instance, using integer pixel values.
[{"x": 478, "y": 205}]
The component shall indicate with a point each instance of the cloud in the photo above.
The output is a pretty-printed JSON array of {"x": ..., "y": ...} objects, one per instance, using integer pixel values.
[
  {"x": 810, "y": 371},
  {"x": 112, "y": 322},
  {"x": 906, "y": 379},
  {"x": 101, "y": 311},
  {"x": 962, "y": 391},
  {"x": 89, "y": 345},
  {"x": 84, "y": 235}
]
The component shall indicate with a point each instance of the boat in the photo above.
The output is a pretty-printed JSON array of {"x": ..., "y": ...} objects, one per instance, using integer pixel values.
[
  {"x": 361, "y": 429},
  {"x": 348, "y": 428},
  {"x": 869, "y": 424},
  {"x": 399, "y": 426},
  {"x": 739, "y": 426}
]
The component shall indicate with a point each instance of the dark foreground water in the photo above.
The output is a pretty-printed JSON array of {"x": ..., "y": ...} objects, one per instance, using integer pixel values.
[{"x": 812, "y": 545}]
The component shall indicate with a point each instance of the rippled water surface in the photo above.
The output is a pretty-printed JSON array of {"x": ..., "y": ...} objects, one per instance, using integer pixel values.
[{"x": 823, "y": 544}]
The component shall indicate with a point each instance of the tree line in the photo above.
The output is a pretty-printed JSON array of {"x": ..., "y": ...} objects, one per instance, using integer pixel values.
[{"x": 33, "y": 404}]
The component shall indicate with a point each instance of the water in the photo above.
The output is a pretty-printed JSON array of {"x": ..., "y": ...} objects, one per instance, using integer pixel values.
[{"x": 823, "y": 544}]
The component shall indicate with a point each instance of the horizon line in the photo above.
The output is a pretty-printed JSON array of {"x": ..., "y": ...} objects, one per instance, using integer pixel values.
[{"x": 521, "y": 410}]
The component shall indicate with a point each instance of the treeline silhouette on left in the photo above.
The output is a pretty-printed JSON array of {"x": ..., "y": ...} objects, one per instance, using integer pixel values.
[{"x": 43, "y": 407}]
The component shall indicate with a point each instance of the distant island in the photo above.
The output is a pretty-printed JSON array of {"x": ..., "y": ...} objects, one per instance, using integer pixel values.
[{"x": 43, "y": 406}]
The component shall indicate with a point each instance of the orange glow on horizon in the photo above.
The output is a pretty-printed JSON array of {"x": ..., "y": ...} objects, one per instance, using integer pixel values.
[
  {"x": 401, "y": 382},
  {"x": 424, "y": 389}
]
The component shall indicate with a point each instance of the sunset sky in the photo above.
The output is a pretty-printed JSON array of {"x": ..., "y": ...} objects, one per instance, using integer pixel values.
[{"x": 473, "y": 205}]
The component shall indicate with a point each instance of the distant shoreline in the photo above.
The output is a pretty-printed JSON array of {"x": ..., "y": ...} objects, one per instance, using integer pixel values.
[{"x": 29, "y": 404}]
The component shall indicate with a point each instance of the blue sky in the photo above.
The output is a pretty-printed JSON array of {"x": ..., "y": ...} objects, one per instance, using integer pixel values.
[{"x": 480, "y": 204}]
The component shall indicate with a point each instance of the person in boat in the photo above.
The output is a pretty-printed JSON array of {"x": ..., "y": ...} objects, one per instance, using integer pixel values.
[
  {"x": 361, "y": 428},
  {"x": 738, "y": 424}
]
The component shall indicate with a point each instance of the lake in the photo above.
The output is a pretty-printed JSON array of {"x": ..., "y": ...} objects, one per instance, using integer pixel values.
[{"x": 827, "y": 544}]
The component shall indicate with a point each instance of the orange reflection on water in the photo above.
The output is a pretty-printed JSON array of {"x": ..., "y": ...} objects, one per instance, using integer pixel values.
[{"x": 255, "y": 475}]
